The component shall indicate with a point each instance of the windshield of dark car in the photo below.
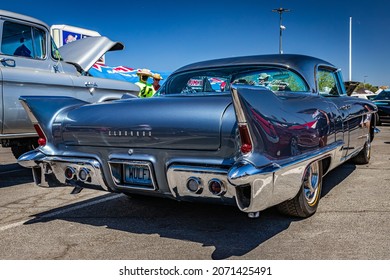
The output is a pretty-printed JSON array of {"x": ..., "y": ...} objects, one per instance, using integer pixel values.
[{"x": 219, "y": 80}]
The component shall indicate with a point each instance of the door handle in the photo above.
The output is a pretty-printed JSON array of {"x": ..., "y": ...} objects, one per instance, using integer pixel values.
[
  {"x": 91, "y": 84},
  {"x": 8, "y": 62}
]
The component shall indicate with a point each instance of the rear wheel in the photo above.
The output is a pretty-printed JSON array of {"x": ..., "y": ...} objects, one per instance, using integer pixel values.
[{"x": 305, "y": 203}]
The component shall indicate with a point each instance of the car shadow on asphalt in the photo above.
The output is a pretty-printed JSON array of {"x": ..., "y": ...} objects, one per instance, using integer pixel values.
[
  {"x": 336, "y": 176},
  {"x": 225, "y": 228},
  {"x": 13, "y": 174}
]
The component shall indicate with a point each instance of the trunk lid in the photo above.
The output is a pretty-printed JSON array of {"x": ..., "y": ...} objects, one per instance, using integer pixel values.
[{"x": 188, "y": 123}]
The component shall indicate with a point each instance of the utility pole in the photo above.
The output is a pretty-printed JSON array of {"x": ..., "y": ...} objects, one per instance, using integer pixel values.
[
  {"x": 350, "y": 48},
  {"x": 281, "y": 27}
]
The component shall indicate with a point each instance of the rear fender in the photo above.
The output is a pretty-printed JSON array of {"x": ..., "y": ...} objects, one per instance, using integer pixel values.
[
  {"x": 248, "y": 102},
  {"x": 43, "y": 110},
  {"x": 281, "y": 124},
  {"x": 272, "y": 171}
]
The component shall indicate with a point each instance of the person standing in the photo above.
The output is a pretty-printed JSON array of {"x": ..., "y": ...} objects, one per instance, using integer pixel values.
[
  {"x": 146, "y": 89},
  {"x": 156, "y": 81}
]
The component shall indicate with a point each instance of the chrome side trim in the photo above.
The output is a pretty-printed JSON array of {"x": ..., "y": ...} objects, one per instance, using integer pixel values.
[
  {"x": 238, "y": 106},
  {"x": 277, "y": 182},
  {"x": 240, "y": 114},
  {"x": 18, "y": 135}
]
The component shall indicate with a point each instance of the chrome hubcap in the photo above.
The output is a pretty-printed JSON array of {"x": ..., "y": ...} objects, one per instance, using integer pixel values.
[{"x": 311, "y": 183}]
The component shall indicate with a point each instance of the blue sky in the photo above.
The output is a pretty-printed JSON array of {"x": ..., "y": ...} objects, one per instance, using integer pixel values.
[{"x": 167, "y": 34}]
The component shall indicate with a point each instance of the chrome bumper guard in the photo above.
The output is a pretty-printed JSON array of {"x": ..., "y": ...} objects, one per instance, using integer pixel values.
[
  {"x": 49, "y": 171},
  {"x": 179, "y": 175}
]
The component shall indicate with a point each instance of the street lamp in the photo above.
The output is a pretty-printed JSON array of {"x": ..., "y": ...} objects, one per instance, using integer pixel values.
[
  {"x": 364, "y": 81},
  {"x": 281, "y": 27}
]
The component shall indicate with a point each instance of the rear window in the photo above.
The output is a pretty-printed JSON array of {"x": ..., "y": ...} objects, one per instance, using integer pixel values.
[{"x": 215, "y": 81}]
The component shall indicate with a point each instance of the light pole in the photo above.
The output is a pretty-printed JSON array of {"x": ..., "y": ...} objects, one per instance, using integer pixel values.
[{"x": 281, "y": 27}]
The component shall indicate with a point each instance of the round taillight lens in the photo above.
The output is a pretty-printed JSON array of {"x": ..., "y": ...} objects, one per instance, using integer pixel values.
[
  {"x": 41, "y": 141},
  {"x": 246, "y": 148},
  {"x": 69, "y": 173},
  {"x": 216, "y": 187},
  {"x": 194, "y": 185},
  {"x": 83, "y": 174}
]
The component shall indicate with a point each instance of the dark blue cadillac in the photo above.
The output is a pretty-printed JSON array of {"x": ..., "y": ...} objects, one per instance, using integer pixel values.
[{"x": 254, "y": 132}]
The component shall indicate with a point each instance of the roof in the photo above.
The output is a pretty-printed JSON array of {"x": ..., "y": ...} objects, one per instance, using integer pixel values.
[
  {"x": 8, "y": 14},
  {"x": 303, "y": 64}
]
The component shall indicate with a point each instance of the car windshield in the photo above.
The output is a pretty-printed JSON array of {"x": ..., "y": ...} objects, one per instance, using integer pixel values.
[
  {"x": 219, "y": 80},
  {"x": 384, "y": 95}
]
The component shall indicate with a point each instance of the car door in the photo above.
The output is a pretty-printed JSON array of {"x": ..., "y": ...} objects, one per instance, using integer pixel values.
[
  {"x": 347, "y": 113},
  {"x": 93, "y": 89},
  {"x": 28, "y": 68}
]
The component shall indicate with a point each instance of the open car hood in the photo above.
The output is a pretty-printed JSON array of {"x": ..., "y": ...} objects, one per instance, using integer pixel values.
[
  {"x": 85, "y": 52},
  {"x": 350, "y": 86}
]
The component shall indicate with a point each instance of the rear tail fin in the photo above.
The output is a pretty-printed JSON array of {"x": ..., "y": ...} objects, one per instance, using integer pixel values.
[
  {"x": 42, "y": 110},
  {"x": 248, "y": 103}
]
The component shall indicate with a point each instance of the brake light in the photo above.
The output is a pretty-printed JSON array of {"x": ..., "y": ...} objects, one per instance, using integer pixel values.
[
  {"x": 41, "y": 135},
  {"x": 246, "y": 143}
]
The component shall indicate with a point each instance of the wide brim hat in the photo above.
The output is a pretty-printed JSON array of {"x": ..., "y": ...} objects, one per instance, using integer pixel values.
[
  {"x": 157, "y": 76},
  {"x": 144, "y": 72}
]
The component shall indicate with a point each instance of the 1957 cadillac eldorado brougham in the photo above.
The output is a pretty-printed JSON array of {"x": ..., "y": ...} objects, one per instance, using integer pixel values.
[{"x": 254, "y": 131}]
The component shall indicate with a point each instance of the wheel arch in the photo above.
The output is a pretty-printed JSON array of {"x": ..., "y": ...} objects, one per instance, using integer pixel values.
[{"x": 326, "y": 165}]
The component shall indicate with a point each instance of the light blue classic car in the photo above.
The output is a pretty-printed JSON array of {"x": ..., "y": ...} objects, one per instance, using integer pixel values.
[
  {"x": 253, "y": 131},
  {"x": 31, "y": 64}
]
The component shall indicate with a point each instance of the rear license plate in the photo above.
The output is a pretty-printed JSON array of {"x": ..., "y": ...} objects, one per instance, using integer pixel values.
[{"x": 137, "y": 175}]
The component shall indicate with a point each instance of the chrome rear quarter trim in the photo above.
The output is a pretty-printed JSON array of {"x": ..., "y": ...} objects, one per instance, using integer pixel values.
[{"x": 277, "y": 182}]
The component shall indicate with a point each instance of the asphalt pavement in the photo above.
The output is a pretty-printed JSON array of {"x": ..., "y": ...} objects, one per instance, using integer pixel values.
[{"x": 352, "y": 221}]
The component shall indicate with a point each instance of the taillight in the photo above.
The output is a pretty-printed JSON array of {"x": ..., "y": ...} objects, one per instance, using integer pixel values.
[
  {"x": 41, "y": 135},
  {"x": 246, "y": 143}
]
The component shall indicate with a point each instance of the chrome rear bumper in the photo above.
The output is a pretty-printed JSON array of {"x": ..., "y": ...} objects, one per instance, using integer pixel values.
[
  {"x": 253, "y": 188},
  {"x": 49, "y": 171}
]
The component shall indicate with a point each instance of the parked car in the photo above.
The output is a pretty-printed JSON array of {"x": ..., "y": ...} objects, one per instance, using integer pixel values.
[
  {"x": 382, "y": 100},
  {"x": 267, "y": 137},
  {"x": 31, "y": 64},
  {"x": 364, "y": 93}
]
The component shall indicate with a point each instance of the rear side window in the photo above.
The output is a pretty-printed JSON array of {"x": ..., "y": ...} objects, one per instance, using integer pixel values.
[
  {"x": 23, "y": 40},
  {"x": 328, "y": 84}
]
